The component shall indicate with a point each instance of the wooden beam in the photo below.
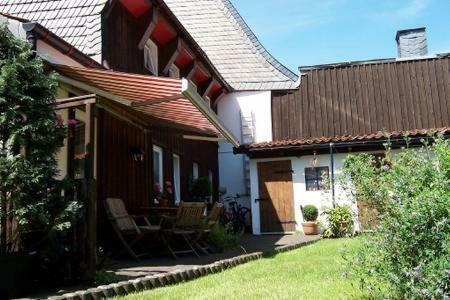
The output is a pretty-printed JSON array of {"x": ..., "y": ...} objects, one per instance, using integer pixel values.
[
  {"x": 188, "y": 71},
  {"x": 90, "y": 189},
  {"x": 216, "y": 96},
  {"x": 75, "y": 101},
  {"x": 150, "y": 28},
  {"x": 206, "y": 88},
  {"x": 169, "y": 54}
]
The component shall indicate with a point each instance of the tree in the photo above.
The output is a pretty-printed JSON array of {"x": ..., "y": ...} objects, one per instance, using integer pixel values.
[{"x": 30, "y": 135}]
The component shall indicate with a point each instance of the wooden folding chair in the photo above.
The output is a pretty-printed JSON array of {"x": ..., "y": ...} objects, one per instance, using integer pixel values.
[
  {"x": 185, "y": 224},
  {"x": 211, "y": 221},
  {"x": 125, "y": 226}
]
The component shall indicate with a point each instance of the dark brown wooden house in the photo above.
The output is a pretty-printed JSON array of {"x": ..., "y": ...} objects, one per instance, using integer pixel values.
[{"x": 138, "y": 95}]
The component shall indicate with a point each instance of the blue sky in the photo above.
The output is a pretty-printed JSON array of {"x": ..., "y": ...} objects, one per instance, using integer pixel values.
[{"x": 308, "y": 32}]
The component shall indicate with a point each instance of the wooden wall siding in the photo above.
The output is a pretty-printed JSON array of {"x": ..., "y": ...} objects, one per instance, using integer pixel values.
[
  {"x": 362, "y": 99},
  {"x": 121, "y": 35},
  {"x": 120, "y": 176}
]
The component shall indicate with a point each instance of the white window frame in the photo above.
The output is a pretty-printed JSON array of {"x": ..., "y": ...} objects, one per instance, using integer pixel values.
[
  {"x": 159, "y": 150},
  {"x": 151, "y": 57},
  {"x": 176, "y": 162},
  {"x": 195, "y": 170}
]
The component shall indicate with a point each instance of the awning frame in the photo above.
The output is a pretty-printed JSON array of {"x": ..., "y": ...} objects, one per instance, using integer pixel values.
[{"x": 187, "y": 90}]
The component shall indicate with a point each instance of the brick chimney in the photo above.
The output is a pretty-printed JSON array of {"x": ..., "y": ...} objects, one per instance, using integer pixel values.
[{"x": 412, "y": 42}]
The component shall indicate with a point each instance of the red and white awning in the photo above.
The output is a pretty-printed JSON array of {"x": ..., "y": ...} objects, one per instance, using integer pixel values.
[{"x": 164, "y": 98}]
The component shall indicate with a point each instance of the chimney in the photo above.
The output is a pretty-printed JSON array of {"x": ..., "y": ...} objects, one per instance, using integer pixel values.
[{"x": 412, "y": 42}]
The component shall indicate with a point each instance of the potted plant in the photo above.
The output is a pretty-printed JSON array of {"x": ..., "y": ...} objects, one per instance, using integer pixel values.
[
  {"x": 310, "y": 213},
  {"x": 201, "y": 189}
]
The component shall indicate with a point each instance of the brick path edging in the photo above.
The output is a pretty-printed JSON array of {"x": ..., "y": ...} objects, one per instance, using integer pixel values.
[{"x": 173, "y": 277}]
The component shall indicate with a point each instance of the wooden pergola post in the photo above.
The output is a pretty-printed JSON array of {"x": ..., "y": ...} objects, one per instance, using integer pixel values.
[
  {"x": 89, "y": 193},
  {"x": 90, "y": 196}
]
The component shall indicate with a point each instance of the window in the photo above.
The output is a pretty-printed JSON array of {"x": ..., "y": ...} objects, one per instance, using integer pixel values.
[
  {"x": 174, "y": 72},
  {"x": 158, "y": 165},
  {"x": 315, "y": 178},
  {"x": 151, "y": 57},
  {"x": 194, "y": 170},
  {"x": 176, "y": 178}
]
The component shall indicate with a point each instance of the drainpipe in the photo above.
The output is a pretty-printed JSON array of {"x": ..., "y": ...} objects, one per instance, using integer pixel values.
[{"x": 332, "y": 174}]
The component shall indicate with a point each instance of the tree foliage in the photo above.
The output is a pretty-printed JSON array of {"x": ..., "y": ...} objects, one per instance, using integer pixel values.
[
  {"x": 408, "y": 256},
  {"x": 29, "y": 140}
]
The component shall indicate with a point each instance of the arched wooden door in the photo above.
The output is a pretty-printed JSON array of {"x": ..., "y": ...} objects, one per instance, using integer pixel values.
[{"x": 276, "y": 197}]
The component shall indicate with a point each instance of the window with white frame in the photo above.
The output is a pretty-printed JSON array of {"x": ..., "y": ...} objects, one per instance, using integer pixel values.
[
  {"x": 151, "y": 57},
  {"x": 176, "y": 178},
  {"x": 194, "y": 170},
  {"x": 174, "y": 71},
  {"x": 158, "y": 176}
]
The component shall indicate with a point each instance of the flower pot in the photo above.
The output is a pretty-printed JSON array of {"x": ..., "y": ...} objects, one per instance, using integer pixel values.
[{"x": 310, "y": 228}]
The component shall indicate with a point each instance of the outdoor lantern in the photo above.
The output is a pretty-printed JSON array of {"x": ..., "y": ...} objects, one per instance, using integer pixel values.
[
  {"x": 314, "y": 161},
  {"x": 138, "y": 154}
]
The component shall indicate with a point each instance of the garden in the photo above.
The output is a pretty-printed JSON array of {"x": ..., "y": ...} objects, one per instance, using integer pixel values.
[{"x": 406, "y": 254}]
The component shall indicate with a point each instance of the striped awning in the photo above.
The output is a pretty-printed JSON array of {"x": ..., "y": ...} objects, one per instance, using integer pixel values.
[{"x": 164, "y": 98}]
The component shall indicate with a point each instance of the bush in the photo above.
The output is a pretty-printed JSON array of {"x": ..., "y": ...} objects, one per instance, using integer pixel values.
[
  {"x": 310, "y": 213},
  {"x": 408, "y": 256},
  {"x": 340, "y": 223},
  {"x": 222, "y": 237},
  {"x": 201, "y": 188}
]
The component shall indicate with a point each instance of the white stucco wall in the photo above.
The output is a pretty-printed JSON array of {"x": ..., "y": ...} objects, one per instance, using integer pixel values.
[
  {"x": 321, "y": 199},
  {"x": 48, "y": 53},
  {"x": 230, "y": 106}
]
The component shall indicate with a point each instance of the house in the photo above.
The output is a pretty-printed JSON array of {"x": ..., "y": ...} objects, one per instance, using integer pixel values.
[
  {"x": 339, "y": 109},
  {"x": 138, "y": 94}
]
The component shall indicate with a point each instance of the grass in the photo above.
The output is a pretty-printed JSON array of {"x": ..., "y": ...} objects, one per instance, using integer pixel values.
[{"x": 312, "y": 272}]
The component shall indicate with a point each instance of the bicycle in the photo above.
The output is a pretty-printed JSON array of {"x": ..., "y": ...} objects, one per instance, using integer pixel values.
[{"x": 235, "y": 214}]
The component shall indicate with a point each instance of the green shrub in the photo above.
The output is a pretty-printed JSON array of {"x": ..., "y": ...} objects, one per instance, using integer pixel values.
[
  {"x": 222, "y": 237},
  {"x": 201, "y": 188},
  {"x": 340, "y": 222},
  {"x": 408, "y": 256},
  {"x": 310, "y": 213}
]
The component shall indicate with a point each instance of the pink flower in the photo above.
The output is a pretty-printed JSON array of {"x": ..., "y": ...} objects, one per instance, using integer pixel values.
[
  {"x": 157, "y": 186},
  {"x": 169, "y": 190},
  {"x": 59, "y": 120},
  {"x": 168, "y": 184},
  {"x": 72, "y": 122}
]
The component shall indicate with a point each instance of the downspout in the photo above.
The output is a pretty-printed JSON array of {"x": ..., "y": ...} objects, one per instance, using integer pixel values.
[{"x": 331, "y": 145}]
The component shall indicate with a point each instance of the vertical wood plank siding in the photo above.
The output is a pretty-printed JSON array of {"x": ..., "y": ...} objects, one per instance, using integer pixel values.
[
  {"x": 121, "y": 36},
  {"x": 122, "y": 177},
  {"x": 363, "y": 99}
]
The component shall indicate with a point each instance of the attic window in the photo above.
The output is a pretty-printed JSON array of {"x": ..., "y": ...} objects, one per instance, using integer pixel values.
[{"x": 151, "y": 57}]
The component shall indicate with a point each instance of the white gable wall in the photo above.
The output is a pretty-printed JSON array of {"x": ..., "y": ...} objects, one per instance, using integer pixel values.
[{"x": 256, "y": 104}]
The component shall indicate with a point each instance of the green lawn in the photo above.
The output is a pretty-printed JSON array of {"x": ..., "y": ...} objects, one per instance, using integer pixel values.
[{"x": 312, "y": 272}]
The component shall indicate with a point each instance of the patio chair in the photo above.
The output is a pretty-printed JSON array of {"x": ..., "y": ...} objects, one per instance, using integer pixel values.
[
  {"x": 211, "y": 221},
  {"x": 124, "y": 224},
  {"x": 185, "y": 225}
]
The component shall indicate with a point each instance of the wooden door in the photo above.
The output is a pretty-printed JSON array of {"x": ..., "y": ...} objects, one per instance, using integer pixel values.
[{"x": 276, "y": 196}]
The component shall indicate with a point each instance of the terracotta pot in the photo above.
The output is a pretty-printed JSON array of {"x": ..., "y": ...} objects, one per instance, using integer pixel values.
[{"x": 310, "y": 228}]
